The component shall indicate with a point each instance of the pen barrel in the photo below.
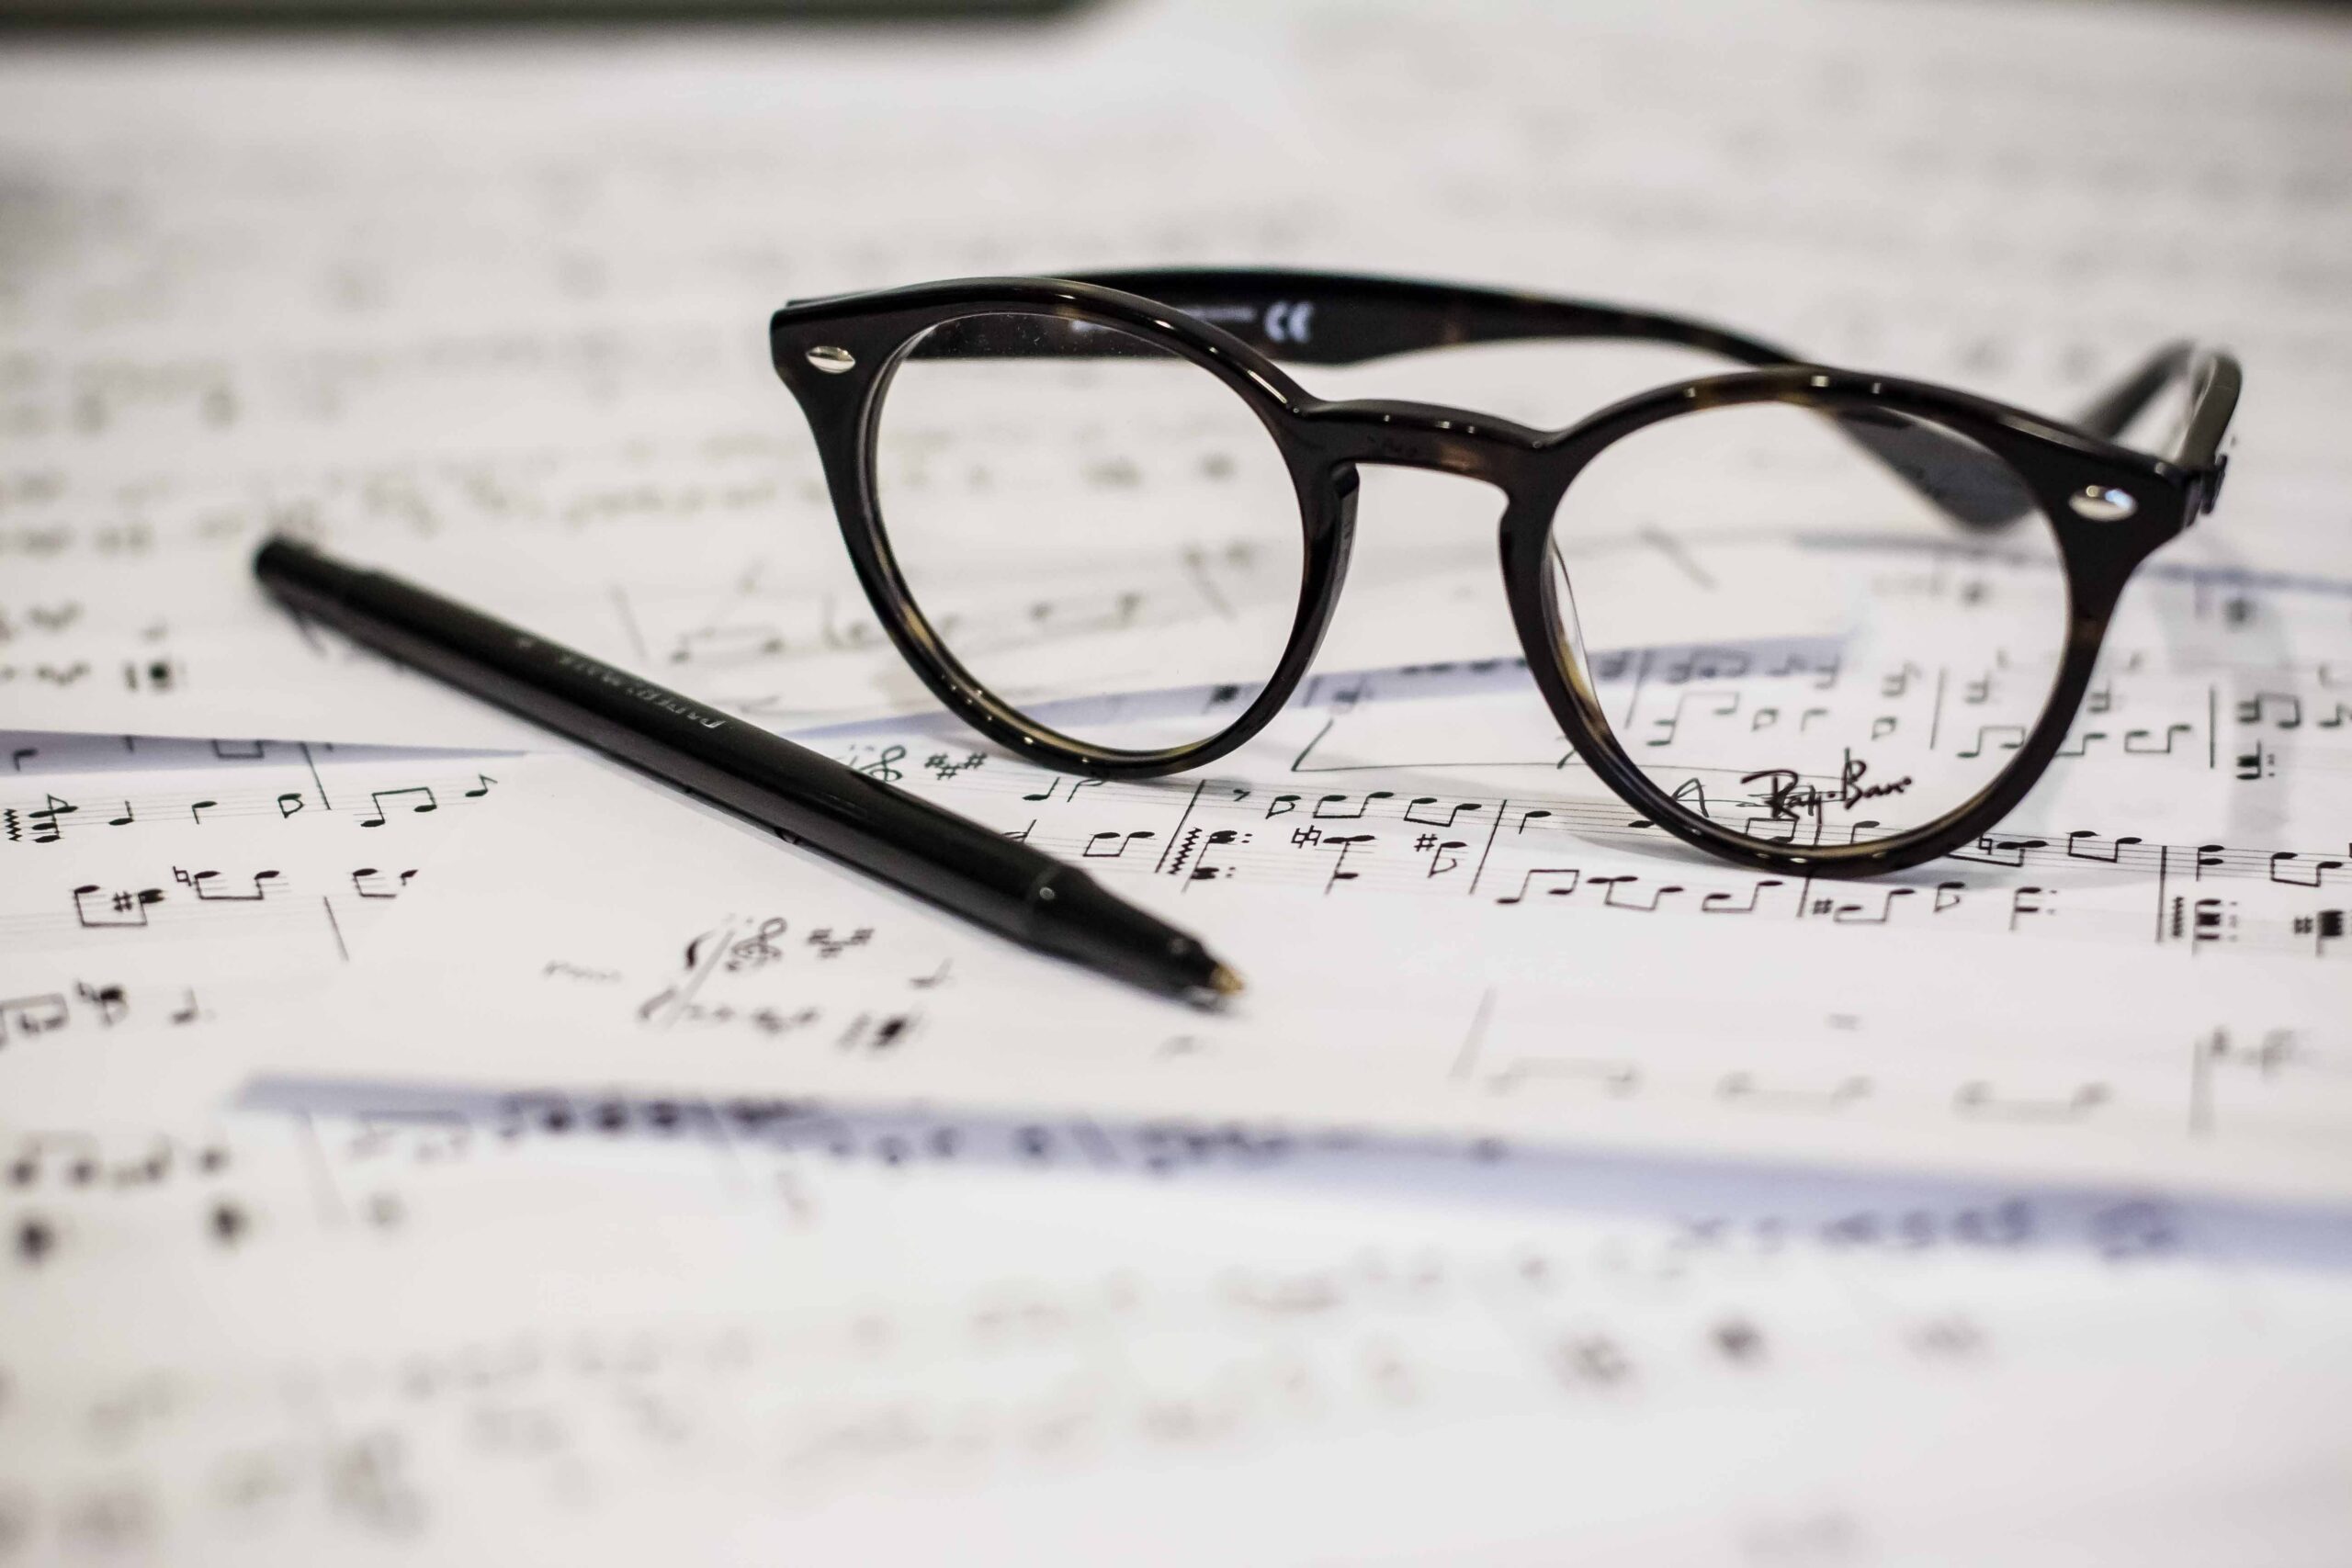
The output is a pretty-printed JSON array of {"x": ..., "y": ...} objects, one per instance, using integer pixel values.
[{"x": 809, "y": 798}]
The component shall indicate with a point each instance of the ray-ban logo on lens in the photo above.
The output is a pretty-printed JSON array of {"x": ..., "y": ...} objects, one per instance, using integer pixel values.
[{"x": 1786, "y": 794}]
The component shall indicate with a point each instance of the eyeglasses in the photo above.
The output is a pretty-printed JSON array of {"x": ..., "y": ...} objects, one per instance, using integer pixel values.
[{"x": 1805, "y": 618}]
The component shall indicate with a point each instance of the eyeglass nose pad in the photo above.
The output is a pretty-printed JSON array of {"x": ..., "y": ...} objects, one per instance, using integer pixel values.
[
  {"x": 1330, "y": 520},
  {"x": 1346, "y": 483},
  {"x": 1560, "y": 595}
]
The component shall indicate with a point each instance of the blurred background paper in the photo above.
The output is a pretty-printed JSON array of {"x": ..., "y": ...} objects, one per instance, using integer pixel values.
[{"x": 489, "y": 311}]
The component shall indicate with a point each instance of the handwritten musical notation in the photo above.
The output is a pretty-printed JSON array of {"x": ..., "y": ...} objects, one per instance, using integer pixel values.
[
  {"x": 1305, "y": 806},
  {"x": 270, "y": 783},
  {"x": 82, "y": 1004},
  {"x": 1933, "y": 1019},
  {"x": 154, "y": 885}
]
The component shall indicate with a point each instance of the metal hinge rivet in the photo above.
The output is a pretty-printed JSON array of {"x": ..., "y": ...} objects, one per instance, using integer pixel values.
[{"x": 2103, "y": 503}]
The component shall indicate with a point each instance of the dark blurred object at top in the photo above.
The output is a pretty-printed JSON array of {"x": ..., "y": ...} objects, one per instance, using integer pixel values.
[{"x": 116, "y": 14}]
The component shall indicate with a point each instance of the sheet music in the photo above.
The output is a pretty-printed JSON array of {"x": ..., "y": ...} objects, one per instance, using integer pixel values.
[
  {"x": 160, "y": 895},
  {"x": 156, "y": 440},
  {"x": 529, "y": 1223},
  {"x": 877, "y": 1356},
  {"x": 1438, "y": 936},
  {"x": 519, "y": 374},
  {"x": 945, "y": 1316}
]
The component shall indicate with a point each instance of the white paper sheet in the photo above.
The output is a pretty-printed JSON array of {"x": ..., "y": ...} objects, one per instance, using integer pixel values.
[
  {"x": 490, "y": 315},
  {"x": 429, "y": 1337},
  {"x": 158, "y": 896},
  {"x": 2140, "y": 1006},
  {"x": 523, "y": 360},
  {"x": 391, "y": 1324}
]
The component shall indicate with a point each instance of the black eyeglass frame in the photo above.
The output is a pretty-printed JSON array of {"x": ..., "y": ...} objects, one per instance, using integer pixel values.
[{"x": 838, "y": 356}]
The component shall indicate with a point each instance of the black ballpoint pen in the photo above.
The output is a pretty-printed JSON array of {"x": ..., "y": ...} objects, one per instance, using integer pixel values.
[{"x": 861, "y": 821}]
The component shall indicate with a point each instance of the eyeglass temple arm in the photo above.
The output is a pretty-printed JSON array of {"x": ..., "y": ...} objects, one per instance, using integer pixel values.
[
  {"x": 1313, "y": 318},
  {"x": 1337, "y": 319}
]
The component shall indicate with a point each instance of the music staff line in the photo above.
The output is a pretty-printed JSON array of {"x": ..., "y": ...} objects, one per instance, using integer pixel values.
[
  {"x": 49, "y": 821},
  {"x": 1552, "y": 848},
  {"x": 192, "y": 899},
  {"x": 38, "y": 1013},
  {"x": 1601, "y": 816}
]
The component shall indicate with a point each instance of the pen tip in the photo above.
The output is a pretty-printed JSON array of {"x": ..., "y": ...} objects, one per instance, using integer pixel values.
[{"x": 1223, "y": 982}]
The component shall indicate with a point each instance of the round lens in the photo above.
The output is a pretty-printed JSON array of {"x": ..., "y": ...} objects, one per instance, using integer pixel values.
[
  {"x": 1081, "y": 515},
  {"x": 1814, "y": 627}
]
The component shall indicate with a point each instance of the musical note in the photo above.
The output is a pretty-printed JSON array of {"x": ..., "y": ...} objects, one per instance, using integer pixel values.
[
  {"x": 1995, "y": 850},
  {"x": 1743, "y": 1088},
  {"x": 206, "y": 886},
  {"x": 827, "y": 946},
  {"x": 95, "y": 911},
  {"x": 1657, "y": 898},
  {"x": 1859, "y": 912},
  {"x": 1414, "y": 812},
  {"x": 1070, "y": 795},
  {"x": 379, "y": 797},
  {"x": 108, "y": 999},
  {"x": 1117, "y": 844},
  {"x": 1723, "y": 902},
  {"x": 727, "y": 645},
  {"x": 2281, "y": 710},
  {"x": 2138, "y": 742},
  {"x": 1328, "y": 807},
  {"x": 1557, "y": 882},
  {"x": 1615, "y": 1078},
  {"x": 1981, "y": 1100},
  {"x": 2008, "y": 738},
  {"x": 26, "y": 1017},
  {"x": 2286, "y": 861},
  {"x": 2029, "y": 901},
  {"x": 2322, "y": 928},
  {"x": 1345, "y": 844},
  {"x": 2081, "y": 845},
  {"x": 367, "y": 882},
  {"x": 47, "y": 821}
]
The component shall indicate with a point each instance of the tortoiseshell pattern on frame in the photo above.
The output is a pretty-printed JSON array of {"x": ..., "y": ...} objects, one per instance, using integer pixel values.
[{"x": 838, "y": 355}]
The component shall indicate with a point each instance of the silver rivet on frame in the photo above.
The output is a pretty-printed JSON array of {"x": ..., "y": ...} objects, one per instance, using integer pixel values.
[{"x": 2103, "y": 503}]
